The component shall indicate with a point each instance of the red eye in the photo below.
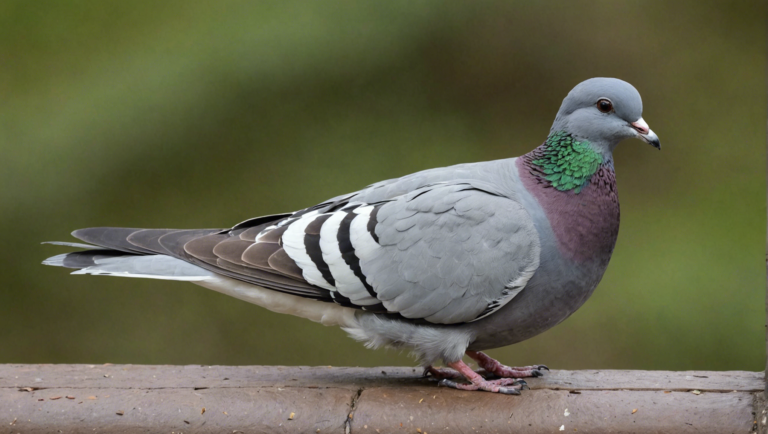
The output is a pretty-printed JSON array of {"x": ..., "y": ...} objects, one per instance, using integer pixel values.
[{"x": 604, "y": 105}]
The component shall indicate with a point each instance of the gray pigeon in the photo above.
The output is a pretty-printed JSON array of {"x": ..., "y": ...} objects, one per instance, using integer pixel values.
[{"x": 444, "y": 262}]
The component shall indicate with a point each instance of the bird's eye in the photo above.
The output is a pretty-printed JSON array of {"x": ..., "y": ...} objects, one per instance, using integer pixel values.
[{"x": 604, "y": 105}]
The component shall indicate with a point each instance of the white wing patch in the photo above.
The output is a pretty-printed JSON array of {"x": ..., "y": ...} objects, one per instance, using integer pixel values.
[
  {"x": 361, "y": 239},
  {"x": 293, "y": 243},
  {"x": 347, "y": 283}
]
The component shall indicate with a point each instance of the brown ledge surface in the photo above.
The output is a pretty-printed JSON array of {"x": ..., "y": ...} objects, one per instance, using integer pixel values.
[{"x": 273, "y": 399}]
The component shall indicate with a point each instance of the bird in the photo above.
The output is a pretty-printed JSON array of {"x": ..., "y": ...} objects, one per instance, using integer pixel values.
[{"x": 444, "y": 262}]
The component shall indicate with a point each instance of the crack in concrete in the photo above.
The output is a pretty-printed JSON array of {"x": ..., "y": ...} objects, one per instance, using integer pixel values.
[
  {"x": 759, "y": 413},
  {"x": 351, "y": 414}
]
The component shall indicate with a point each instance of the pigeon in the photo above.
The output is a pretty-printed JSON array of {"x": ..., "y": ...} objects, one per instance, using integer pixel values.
[{"x": 444, "y": 262}]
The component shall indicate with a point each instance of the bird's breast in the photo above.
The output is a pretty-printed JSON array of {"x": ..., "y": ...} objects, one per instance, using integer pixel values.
[{"x": 585, "y": 224}]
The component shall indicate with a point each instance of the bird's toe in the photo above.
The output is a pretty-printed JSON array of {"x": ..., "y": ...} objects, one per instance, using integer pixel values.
[{"x": 448, "y": 383}]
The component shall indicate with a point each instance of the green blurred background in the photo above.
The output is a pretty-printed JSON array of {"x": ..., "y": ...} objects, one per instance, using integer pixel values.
[{"x": 203, "y": 114}]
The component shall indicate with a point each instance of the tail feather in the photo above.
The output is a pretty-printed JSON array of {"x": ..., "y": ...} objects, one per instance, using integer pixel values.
[
  {"x": 114, "y": 254},
  {"x": 84, "y": 259},
  {"x": 114, "y": 263},
  {"x": 113, "y": 238},
  {"x": 149, "y": 239},
  {"x": 75, "y": 245},
  {"x": 148, "y": 267},
  {"x": 174, "y": 242}
]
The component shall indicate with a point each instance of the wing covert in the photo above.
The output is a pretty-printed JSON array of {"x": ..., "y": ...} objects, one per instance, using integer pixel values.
[{"x": 450, "y": 252}]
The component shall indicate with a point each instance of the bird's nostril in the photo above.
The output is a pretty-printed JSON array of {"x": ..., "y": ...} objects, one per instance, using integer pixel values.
[{"x": 640, "y": 128}]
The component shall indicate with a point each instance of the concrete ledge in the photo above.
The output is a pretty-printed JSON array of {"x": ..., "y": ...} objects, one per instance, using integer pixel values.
[{"x": 270, "y": 399}]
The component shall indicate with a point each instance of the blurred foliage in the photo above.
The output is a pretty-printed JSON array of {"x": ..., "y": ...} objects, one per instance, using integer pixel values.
[{"x": 202, "y": 114}]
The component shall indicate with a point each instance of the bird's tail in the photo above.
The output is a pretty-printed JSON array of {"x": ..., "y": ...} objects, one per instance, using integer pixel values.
[
  {"x": 126, "y": 252},
  {"x": 137, "y": 253}
]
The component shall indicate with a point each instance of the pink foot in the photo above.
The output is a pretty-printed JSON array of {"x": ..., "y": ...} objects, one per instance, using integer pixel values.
[
  {"x": 493, "y": 366},
  {"x": 507, "y": 386}
]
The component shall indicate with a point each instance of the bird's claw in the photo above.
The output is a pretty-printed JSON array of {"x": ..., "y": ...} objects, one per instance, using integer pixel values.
[
  {"x": 523, "y": 385},
  {"x": 509, "y": 391},
  {"x": 542, "y": 367}
]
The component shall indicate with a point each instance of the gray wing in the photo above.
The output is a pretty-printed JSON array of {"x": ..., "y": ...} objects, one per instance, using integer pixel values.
[
  {"x": 449, "y": 252},
  {"x": 421, "y": 246}
]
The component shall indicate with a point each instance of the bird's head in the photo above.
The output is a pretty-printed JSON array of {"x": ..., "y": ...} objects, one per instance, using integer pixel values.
[{"x": 604, "y": 111}]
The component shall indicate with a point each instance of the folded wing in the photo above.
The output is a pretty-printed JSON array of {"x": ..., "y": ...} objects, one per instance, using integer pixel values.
[{"x": 447, "y": 252}]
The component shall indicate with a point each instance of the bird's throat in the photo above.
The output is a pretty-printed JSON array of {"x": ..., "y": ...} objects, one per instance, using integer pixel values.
[{"x": 564, "y": 162}]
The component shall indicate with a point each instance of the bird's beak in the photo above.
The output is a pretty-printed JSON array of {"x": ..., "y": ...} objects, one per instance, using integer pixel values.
[{"x": 645, "y": 134}]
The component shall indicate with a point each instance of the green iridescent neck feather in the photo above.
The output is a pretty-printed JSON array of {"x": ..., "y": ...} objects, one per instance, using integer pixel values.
[{"x": 567, "y": 163}]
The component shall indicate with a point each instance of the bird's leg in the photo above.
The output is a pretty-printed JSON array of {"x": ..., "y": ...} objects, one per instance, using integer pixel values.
[
  {"x": 494, "y": 367},
  {"x": 508, "y": 386},
  {"x": 440, "y": 374}
]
